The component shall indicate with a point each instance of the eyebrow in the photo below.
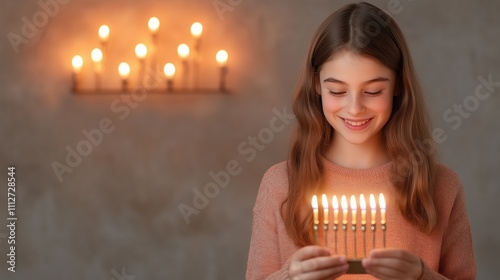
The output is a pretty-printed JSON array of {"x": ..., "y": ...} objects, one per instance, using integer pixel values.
[{"x": 333, "y": 80}]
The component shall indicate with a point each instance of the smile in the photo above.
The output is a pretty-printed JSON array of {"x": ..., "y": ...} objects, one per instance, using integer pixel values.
[{"x": 356, "y": 123}]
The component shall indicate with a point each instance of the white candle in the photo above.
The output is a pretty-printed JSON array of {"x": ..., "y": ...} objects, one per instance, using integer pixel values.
[
  {"x": 335, "y": 205},
  {"x": 77, "y": 63},
  {"x": 381, "y": 201},
  {"x": 362, "y": 205},
  {"x": 344, "y": 209},
  {"x": 373, "y": 206},
  {"x": 325, "y": 209},
  {"x": 154, "y": 25},
  {"x": 169, "y": 70},
  {"x": 124, "y": 71},
  {"x": 315, "y": 209},
  {"x": 103, "y": 33},
  {"x": 354, "y": 209}
]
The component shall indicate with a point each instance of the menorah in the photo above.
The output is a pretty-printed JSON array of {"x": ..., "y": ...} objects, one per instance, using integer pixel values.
[{"x": 355, "y": 266}]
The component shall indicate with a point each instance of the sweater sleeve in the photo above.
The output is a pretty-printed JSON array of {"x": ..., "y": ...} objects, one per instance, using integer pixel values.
[
  {"x": 264, "y": 254},
  {"x": 457, "y": 256}
]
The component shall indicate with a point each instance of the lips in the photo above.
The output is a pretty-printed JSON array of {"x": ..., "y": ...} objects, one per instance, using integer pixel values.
[{"x": 356, "y": 124}]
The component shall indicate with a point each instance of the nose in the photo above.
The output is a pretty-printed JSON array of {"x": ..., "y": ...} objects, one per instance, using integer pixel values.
[{"x": 355, "y": 104}]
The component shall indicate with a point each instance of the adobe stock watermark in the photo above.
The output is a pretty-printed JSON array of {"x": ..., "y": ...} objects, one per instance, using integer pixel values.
[
  {"x": 121, "y": 107},
  {"x": 249, "y": 150},
  {"x": 224, "y": 6},
  {"x": 122, "y": 276},
  {"x": 30, "y": 27}
]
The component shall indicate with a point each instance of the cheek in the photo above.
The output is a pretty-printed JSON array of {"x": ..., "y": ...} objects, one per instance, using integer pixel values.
[{"x": 330, "y": 104}]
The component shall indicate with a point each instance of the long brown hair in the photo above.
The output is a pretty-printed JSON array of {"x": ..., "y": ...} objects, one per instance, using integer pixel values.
[{"x": 364, "y": 29}]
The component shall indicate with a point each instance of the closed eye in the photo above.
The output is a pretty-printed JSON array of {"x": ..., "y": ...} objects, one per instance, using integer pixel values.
[
  {"x": 373, "y": 92},
  {"x": 337, "y": 92}
]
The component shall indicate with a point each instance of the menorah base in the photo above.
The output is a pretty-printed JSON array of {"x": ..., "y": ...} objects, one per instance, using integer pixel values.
[{"x": 355, "y": 267}]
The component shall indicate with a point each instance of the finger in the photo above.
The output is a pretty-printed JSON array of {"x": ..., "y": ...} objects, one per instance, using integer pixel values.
[
  {"x": 328, "y": 273},
  {"x": 394, "y": 253},
  {"x": 319, "y": 263},
  {"x": 384, "y": 264},
  {"x": 310, "y": 252}
]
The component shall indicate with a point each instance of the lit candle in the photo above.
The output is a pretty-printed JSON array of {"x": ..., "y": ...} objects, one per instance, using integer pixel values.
[
  {"x": 183, "y": 52},
  {"x": 362, "y": 205},
  {"x": 335, "y": 205},
  {"x": 169, "y": 70},
  {"x": 344, "y": 209},
  {"x": 196, "y": 30},
  {"x": 141, "y": 51},
  {"x": 96, "y": 56},
  {"x": 154, "y": 25},
  {"x": 315, "y": 209},
  {"x": 325, "y": 208},
  {"x": 381, "y": 202},
  {"x": 77, "y": 63},
  {"x": 124, "y": 71},
  {"x": 103, "y": 33},
  {"x": 373, "y": 206},
  {"x": 221, "y": 58},
  {"x": 354, "y": 209}
]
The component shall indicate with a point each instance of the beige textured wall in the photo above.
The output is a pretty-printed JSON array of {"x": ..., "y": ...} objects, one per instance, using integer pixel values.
[{"x": 116, "y": 214}]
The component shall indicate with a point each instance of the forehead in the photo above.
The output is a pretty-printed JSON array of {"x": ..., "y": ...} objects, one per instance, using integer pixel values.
[{"x": 352, "y": 67}]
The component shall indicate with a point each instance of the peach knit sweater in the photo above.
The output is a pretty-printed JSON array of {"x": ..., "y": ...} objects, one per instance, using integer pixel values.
[{"x": 447, "y": 251}]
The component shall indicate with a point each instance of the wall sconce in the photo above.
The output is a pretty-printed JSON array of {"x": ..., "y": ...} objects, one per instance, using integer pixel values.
[{"x": 149, "y": 67}]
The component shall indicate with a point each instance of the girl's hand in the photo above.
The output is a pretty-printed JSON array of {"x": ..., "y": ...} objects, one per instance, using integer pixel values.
[
  {"x": 315, "y": 262},
  {"x": 393, "y": 264}
]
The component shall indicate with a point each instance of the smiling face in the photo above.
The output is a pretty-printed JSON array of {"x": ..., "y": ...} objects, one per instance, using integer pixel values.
[{"x": 357, "y": 93}]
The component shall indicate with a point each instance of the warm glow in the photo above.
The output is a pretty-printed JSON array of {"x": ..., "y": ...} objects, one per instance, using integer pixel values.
[
  {"x": 335, "y": 205},
  {"x": 324, "y": 203},
  {"x": 169, "y": 70},
  {"x": 344, "y": 209},
  {"x": 104, "y": 32},
  {"x": 315, "y": 209},
  {"x": 381, "y": 201},
  {"x": 141, "y": 51},
  {"x": 196, "y": 29},
  {"x": 124, "y": 70},
  {"x": 96, "y": 55},
  {"x": 221, "y": 57},
  {"x": 183, "y": 51},
  {"x": 362, "y": 205},
  {"x": 354, "y": 209},
  {"x": 373, "y": 206},
  {"x": 77, "y": 63},
  {"x": 154, "y": 24}
]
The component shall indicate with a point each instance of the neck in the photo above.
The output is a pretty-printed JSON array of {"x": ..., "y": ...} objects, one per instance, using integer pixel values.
[{"x": 357, "y": 156}]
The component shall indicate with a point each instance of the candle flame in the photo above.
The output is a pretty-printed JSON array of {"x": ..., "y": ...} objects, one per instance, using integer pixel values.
[
  {"x": 315, "y": 202},
  {"x": 381, "y": 201},
  {"x": 104, "y": 32},
  {"x": 344, "y": 203},
  {"x": 169, "y": 70},
  {"x": 353, "y": 203},
  {"x": 373, "y": 205},
  {"x": 96, "y": 55},
  {"x": 196, "y": 29},
  {"x": 362, "y": 203},
  {"x": 221, "y": 57},
  {"x": 77, "y": 63},
  {"x": 141, "y": 51},
  {"x": 154, "y": 24},
  {"x": 183, "y": 51},
  {"x": 324, "y": 201},
  {"x": 124, "y": 70},
  {"x": 335, "y": 202}
]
